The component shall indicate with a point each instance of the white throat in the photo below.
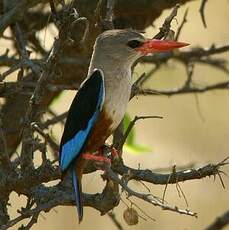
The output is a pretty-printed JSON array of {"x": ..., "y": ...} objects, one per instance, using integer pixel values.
[{"x": 117, "y": 77}]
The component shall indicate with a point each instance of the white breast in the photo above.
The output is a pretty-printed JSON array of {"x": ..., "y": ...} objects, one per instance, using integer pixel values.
[{"x": 117, "y": 94}]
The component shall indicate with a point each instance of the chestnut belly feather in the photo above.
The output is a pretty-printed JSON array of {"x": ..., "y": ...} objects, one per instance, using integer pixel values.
[{"x": 101, "y": 131}]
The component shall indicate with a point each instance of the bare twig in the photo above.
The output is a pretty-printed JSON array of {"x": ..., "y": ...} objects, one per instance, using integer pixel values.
[
  {"x": 86, "y": 30},
  {"x": 141, "y": 80},
  {"x": 189, "y": 70},
  {"x": 51, "y": 142},
  {"x": 32, "y": 221},
  {"x": 146, "y": 197},
  {"x": 201, "y": 10},
  {"x": 54, "y": 120},
  {"x": 178, "y": 167},
  {"x": 118, "y": 136},
  {"x": 220, "y": 222},
  {"x": 141, "y": 210},
  {"x": 4, "y": 155},
  {"x": 108, "y": 21},
  {"x": 182, "y": 90},
  {"x": 23, "y": 52},
  {"x": 164, "y": 30},
  {"x": 166, "y": 186},
  {"x": 184, "y": 20},
  {"x": 157, "y": 178},
  {"x": 54, "y": 12},
  {"x": 131, "y": 125},
  {"x": 12, "y": 69},
  {"x": 179, "y": 190},
  {"x": 114, "y": 220},
  {"x": 16, "y": 13},
  {"x": 217, "y": 63}
]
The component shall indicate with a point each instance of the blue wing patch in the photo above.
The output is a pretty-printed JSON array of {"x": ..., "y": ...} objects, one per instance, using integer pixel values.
[
  {"x": 82, "y": 116},
  {"x": 73, "y": 147}
]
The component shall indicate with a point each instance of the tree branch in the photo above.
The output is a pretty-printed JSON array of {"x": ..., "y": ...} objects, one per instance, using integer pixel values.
[
  {"x": 49, "y": 197},
  {"x": 220, "y": 222},
  {"x": 201, "y": 10},
  {"x": 163, "y": 179},
  {"x": 16, "y": 13}
]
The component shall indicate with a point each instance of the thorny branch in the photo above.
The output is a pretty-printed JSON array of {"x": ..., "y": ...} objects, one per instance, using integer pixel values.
[
  {"x": 181, "y": 25},
  {"x": 164, "y": 30},
  {"x": 21, "y": 176},
  {"x": 64, "y": 196}
]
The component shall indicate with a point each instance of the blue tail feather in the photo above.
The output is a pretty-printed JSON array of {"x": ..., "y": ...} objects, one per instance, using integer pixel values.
[{"x": 77, "y": 191}]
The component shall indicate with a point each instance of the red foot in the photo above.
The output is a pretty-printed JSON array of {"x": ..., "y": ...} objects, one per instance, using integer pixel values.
[
  {"x": 99, "y": 156},
  {"x": 89, "y": 156},
  {"x": 115, "y": 153}
]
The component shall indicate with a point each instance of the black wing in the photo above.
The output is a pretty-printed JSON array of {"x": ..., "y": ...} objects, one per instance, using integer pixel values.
[{"x": 82, "y": 116}]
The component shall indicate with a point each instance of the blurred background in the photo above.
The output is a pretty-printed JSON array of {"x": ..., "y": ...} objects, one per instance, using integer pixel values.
[{"x": 194, "y": 130}]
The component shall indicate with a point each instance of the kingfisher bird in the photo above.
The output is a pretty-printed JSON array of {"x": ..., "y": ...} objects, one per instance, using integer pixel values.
[{"x": 100, "y": 103}]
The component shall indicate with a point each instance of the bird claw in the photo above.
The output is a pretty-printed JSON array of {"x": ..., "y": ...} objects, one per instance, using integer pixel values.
[
  {"x": 101, "y": 160},
  {"x": 113, "y": 154},
  {"x": 89, "y": 156},
  {"x": 110, "y": 152}
]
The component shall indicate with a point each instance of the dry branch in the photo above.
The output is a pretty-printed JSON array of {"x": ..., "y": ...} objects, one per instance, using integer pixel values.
[
  {"x": 201, "y": 10},
  {"x": 220, "y": 222},
  {"x": 48, "y": 197},
  {"x": 170, "y": 178}
]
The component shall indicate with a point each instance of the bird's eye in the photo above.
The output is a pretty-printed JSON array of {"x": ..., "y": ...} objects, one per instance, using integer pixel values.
[{"x": 134, "y": 44}]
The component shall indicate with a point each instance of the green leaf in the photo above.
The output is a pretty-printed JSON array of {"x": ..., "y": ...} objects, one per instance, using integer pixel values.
[
  {"x": 131, "y": 144},
  {"x": 137, "y": 149},
  {"x": 131, "y": 137},
  {"x": 56, "y": 98}
]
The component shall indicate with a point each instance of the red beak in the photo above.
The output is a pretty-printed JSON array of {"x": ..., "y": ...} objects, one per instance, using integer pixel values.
[{"x": 154, "y": 45}]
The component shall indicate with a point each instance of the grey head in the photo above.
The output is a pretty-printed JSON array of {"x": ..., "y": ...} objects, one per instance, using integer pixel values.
[
  {"x": 122, "y": 48},
  {"x": 120, "y": 45}
]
